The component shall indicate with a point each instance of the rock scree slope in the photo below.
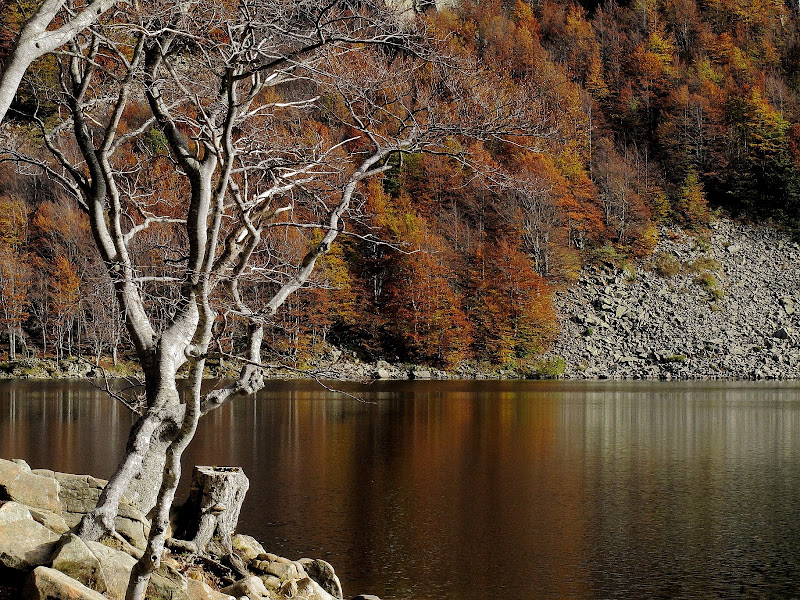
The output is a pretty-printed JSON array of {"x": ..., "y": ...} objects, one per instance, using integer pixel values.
[{"x": 725, "y": 306}]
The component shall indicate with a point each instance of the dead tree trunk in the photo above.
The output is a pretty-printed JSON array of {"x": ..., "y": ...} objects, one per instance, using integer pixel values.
[{"x": 207, "y": 520}]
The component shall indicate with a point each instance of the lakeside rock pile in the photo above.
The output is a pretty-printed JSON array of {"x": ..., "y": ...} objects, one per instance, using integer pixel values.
[
  {"x": 728, "y": 307},
  {"x": 41, "y": 560}
]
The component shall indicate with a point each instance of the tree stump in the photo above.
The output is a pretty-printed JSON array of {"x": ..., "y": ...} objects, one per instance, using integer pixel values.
[{"x": 209, "y": 516}]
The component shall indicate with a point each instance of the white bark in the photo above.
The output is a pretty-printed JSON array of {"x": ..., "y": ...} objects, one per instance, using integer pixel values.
[{"x": 34, "y": 41}]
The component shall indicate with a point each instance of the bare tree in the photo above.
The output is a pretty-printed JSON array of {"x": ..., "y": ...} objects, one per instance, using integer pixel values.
[
  {"x": 35, "y": 40},
  {"x": 268, "y": 116}
]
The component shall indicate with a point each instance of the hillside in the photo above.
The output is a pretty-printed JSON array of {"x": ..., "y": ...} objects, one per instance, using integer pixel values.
[
  {"x": 644, "y": 115},
  {"x": 726, "y": 308}
]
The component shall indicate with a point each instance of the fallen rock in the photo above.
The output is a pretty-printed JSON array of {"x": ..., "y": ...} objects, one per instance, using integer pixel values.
[
  {"x": 322, "y": 572},
  {"x": 382, "y": 374},
  {"x": 115, "y": 568},
  {"x": 50, "y": 584},
  {"x": 198, "y": 590},
  {"x": 25, "y": 544},
  {"x": 14, "y": 511},
  {"x": 167, "y": 582},
  {"x": 74, "y": 558},
  {"x": 132, "y": 525},
  {"x": 246, "y": 547},
  {"x": 271, "y": 582},
  {"x": 308, "y": 589},
  {"x": 78, "y": 495},
  {"x": 283, "y": 569},
  {"x": 251, "y": 587},
  {"x": 19, "y": 483},
  {"x": 51, "y": 520}
]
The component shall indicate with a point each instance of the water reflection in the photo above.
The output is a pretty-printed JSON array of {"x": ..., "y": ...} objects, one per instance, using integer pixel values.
[{"x": 494, "y": 490}]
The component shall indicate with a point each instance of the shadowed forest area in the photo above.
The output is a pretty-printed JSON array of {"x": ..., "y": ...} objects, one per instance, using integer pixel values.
[{"x": 649, "y": 112}]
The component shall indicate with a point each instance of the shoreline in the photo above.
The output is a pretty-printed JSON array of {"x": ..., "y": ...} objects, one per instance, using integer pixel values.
[
  {"x": 723, "y": 304},
  {"x": 668, "y": 369}
]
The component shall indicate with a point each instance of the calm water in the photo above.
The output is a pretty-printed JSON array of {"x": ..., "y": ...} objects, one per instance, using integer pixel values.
[{"x": 489, "y": 491}]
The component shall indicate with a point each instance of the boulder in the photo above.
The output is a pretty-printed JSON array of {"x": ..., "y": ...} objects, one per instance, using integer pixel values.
[
  {"x": 308, "y": 589},
  {"x": 169, "y": 584},
  {"x": 115, "y": 568},
  {"x": 25, "y": 544},
  {"x": 74, "y": 558},
  {"x": 283, "y": 569},
  {"x": 51, "y": 520},
  {"x": 250, "y": 587},
  {"x": 322, "y": 572},
  {"x": 382, "y": 374},
  {"x": 198, "y": 590},
  {"x": 14, "y": 511},
  {"x": 18, "y": 483},
  {"x": 246, "y": 547},
  {"x": 78, "y": 495},
  {"x": 50, "y": 584},
  {"x": 271, "y": 582},
  {"x": 132, "y": 525}
]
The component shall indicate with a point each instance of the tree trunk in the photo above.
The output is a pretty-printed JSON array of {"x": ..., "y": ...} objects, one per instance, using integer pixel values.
[{"x": 209, "y": 517}]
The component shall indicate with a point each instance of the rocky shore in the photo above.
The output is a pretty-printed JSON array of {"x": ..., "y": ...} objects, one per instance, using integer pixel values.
[
  {"x": 724, "y": 304},
  {"x": 719, "y": 306},
  {"x": 41, "y": 560}
]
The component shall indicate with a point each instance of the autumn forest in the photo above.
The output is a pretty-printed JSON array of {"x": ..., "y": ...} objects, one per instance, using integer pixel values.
[{"x": 648, "y": 112}]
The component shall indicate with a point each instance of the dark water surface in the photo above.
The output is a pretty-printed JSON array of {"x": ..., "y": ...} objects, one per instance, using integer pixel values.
[{"x": 488, "y": 490}]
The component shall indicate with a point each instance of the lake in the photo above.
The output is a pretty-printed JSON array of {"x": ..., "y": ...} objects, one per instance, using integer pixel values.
[{"x": 464, "y": 490}]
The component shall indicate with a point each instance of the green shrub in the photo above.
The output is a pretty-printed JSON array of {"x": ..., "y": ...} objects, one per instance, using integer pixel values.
[
  {"x": 675, "y": 358},
  {"x": 607, "y": 254},
  {"x": 708, "y": 282},
  {"x": 549, "y": 368},
  {"x": 629, "y": 272},
  {"x": 666, "y": 265},
  {"x": 704, "y": 263}
]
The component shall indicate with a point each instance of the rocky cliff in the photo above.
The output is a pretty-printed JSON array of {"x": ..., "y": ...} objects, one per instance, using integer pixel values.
[{"x": 720, "y": 306}]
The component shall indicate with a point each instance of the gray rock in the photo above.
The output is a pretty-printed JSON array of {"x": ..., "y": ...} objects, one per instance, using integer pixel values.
[
  {"x": 308, "y": 589},
  {"x": 50, "y": 584},
  {"x": 25, "y": 544},
  {"x": 115, "y": 567},
  {"x": 198, "y": 590},
  {"x": 288, "y": 589},
  {"x": 322, "y": 572},
  {"x": 677, "y": 316},
  {"x": 282, "y": 569},
  {"x": 382, "y": 374},
  {"x": 271, "y": 582},
  {"x": 18, "y": 483},
  {"x": 14, "y": 511},
  {"x": 781, "y": 334},
  {"x": 246, "y": 547},
  {"x": 365, "y": 597},
  {"x": 251, "y": 587},
  {"x": 74, "y": 558},
  {"x": 52, "y": 521}
]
